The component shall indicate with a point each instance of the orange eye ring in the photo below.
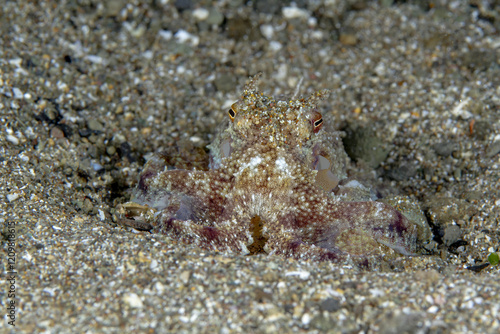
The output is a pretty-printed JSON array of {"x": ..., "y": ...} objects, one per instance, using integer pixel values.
[
  {"x": 316, "y": 121},
  {"x": 232, "y": 112}
]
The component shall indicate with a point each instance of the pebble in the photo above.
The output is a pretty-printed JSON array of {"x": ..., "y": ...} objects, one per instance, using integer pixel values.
[
  {"x": 215, "y": 17},
  {"x": 348, "y": 39},
  {"x": 95, "y": 125},
  {"x": 12, "y": 139},
  {"x": 445, "y": 149},
  {"x": 18, "y": 94},
  {"x": 330, "y": 305},
  {"x": 493, "y": 149},
  {"x": 182, "y": 36},
  {"x": 133, "y": 300},
  {"x": 294, "y": 13},
  {"x": 361, "y": 143},
  {"x": 56, "y": 133},
  {"x": 452, "y": 233},
  {"x": 267, "y": 31},
  {"x": 13, "y": 196},
  {"x": 200, "y": 14}
]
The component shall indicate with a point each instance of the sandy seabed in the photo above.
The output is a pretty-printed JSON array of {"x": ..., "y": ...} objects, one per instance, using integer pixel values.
[{"x": 88, "y": 90}]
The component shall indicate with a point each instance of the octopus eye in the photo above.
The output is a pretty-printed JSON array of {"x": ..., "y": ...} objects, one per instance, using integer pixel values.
[
  {"x": 232, "y": 112},
  {"x": 316, "y": 121}
]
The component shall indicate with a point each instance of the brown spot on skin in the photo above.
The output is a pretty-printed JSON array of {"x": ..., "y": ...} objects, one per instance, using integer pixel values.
[
  {"x": 329, "y": 256},
  {"x": 293, "y": 246},
  {"x": 259, "y": 240},
  {"x": 398, "y": 225},
  {"x": 210, "y": 234},
  {"x": 142, "y": 185}
]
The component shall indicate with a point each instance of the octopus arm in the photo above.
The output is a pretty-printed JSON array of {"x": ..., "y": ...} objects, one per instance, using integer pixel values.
[{"x": 359, "y": 228}]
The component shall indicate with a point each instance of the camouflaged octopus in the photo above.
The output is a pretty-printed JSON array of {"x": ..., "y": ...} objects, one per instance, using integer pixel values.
[{"x": 276, "y": 184}]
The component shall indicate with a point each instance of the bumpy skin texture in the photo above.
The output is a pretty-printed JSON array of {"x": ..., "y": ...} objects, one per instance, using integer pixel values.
[{"x": 271, "y": 189}]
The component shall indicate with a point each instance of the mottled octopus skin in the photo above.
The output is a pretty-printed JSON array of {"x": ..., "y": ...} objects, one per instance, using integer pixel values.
[{"x": 263, "y": 193}]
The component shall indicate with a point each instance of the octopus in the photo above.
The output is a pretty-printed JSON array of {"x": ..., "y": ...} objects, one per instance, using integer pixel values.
[{"x": 276, "y": 184}]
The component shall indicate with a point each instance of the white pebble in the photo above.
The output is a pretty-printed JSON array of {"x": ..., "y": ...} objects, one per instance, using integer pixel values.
[
  {"x": 16, "y": 62},
  {"x": 18, "y": 94},
  {"x": 13, "y": 197},
  {"x": 294, "y": 12},
  {"x": 13, "y": 139},
  {"x": 377, "y": 292},
  {"x": 302, "y": 274},
  {"x": 275, "y": 45},
  {"x": 433, "y": 309},
  {"x": 153, "y": 265},
  {"x": 312, "y": 22},
  {"x": 95, "y": 59},
  {"x": 200, "y": 14},
  {"x": 50, "y": 291},
  {"x": 27, "y": 256},
  {"x": 461, "y": 109},
  {"x": 159, "y": 287},
  {"x": 182, "y": 36},
  {"x": 102, "y": 216},
  {"x": 166, "y": 34},
  {"x": 148, "y": 54},
  {"x": 267, "y": 31},
  {"x": 317, "y": 34},
  {"x": 132, "y": 300},
  {"x": 306, "y": 319}
]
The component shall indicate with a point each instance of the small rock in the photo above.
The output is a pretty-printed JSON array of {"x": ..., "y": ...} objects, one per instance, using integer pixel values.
[
  {"x": 348, "y": 39},
  {"x": 95, "y": 125},
  {"x": 482, "y": 129},
  {"x": 444, "y": 212},
  {"x": 402, "y": 173},
  {"x": 110, "y": 150},
  {"x": 133, "y": 300},
  {"x": 56, "y": 133},
  {"x": 18, "y": 94},
  {"x": 182, "y": 5},
  {"x": 113, "y": 8},
  {"x": 444, "y": 149},
  {"x": 215, "y": 17},
  {"x": 325, "y": 323},
  {"x": 13, "y": 139},
  {"x": 361, "y": 143},
  {"x": 493, "y": 149},
  {"x": 185, "y": 275},
  {"x": 330, "y": 305},
  {"x": 452, "y": 233},
  {"x": 87, "y": 206},
  {"x": 184, "y": 37},
  {"x": 200, "y": 14},
  {"x": 239, "y": 28},
  {"x": 267, "y": 6},
  {"x": 294, "y": 13},
  {"x": 12, "y": 197}
]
